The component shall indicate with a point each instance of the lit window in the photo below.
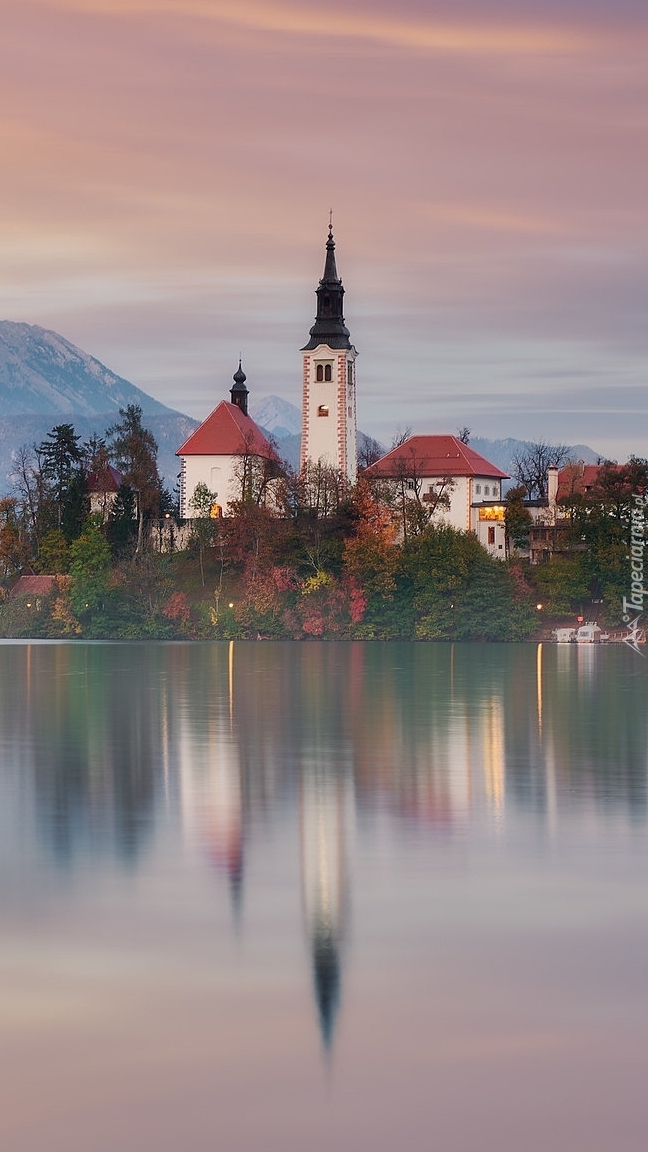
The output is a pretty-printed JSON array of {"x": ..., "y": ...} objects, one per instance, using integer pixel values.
[
  {"x": 323, "y": 410},
  {"x": 327, "y": 371}
]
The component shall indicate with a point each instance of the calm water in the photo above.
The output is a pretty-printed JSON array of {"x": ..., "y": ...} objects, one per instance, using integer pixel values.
[{"x": 261, "y": 897}]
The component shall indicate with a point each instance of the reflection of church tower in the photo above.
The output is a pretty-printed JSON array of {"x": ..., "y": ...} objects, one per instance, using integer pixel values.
[
  {"x": 326, "y": 809},
  {"x": 329, "y": 384},
  {"x": 212, "y": 805}
]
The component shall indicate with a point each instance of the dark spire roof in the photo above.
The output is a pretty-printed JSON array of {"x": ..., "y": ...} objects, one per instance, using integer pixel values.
[
  {"x": 329, "y": 327},
  {"x": 239, "y": 392}
]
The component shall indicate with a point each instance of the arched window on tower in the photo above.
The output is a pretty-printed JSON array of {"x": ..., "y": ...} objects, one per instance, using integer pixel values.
[
  {"x": 327, "y": 371},
  {"x": 323, "y": 410},
  {"x": 319, "y": 372},
  {"x": 349, "y": 373}
]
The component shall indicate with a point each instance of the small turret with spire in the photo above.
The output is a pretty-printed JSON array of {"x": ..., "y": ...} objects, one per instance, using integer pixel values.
[{"x": 239, "y": 392}]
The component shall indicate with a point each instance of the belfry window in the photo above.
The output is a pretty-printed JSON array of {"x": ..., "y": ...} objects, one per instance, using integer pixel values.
[
  {"x": 323, "y": 410},
  {"x": 349, "y": 373},
  {"x": 319, "y": 372},
  {"x": 327, "y": 371}
]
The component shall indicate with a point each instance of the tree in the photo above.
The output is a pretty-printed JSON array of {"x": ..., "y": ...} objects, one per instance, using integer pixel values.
[
  {"x": 122, "y": 520},
  {"x": 89, "y": 568},
  {"x": 529, "y": 466},
  {"x": 464, "y": 434},
  {"x": 61, "y": 465},
  {"x": 253, "y": 473},
  {"x": 35, "y": 506},
  {"x": 13, "y": 547},
  {"x": 369, "y": 451},
  {"x": 134, "y": 450},
  {"x": 203, "y": 524},
  {"x": 517, "y": 518}
]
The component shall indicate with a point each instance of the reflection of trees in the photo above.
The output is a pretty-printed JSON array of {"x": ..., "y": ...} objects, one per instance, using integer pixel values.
[{"x": 89, "y": 723}]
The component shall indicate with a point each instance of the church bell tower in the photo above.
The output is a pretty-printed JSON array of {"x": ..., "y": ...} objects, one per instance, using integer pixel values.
[{"x": 329, "y": 430}]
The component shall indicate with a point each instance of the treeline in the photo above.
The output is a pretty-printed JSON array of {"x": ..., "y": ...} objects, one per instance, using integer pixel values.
[{"x": 297, "y": 556}]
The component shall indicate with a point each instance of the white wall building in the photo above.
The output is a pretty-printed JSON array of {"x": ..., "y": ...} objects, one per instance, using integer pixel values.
[
  {"x": 329, "y": 422},
  {"x": 214, "y": 453},
  {"x": 424, "y": 465}
]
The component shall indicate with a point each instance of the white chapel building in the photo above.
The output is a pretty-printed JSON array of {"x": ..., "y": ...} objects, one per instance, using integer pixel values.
[
  {"x": 329, "y": 429},
  {"x": 213, "y": 453}
]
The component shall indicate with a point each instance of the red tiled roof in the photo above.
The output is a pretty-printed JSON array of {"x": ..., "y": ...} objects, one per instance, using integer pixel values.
[
  {"x": 433, "y": 456},
  {"x": 577, "y": 478},
  {"x": 33, "y": 586},
  {"x": 227, "y": 432},
  {"x": 107, "y": 480}
]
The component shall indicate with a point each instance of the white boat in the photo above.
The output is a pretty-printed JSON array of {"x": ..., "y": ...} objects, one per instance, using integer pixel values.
[
  {"x": 588, "y": 633},
  {"x": 565, "y": 635}
]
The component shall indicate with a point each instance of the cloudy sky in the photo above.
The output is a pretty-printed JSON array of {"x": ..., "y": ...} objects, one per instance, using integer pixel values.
[{"x": 168, "y": 168}]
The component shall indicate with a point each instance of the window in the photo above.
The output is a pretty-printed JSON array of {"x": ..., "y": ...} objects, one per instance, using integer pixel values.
[
  {"x": 491, "y": 534},
  {"x": 478, "y": 489},
  {"x": 319, "y": 372},
  {"x": 350, "y": 412},
  {"x": 323, "y": 372},
  {"x": 323, "y": 410},
  {"x": 411, "y": 486},
  {"x": 327, "y": 371},
  {"x": 349, "y": 373},
  {"x": 486, "y": 490}
]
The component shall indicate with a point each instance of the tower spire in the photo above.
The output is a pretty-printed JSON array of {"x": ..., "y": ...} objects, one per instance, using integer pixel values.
[{"x": 239, "y": 392}]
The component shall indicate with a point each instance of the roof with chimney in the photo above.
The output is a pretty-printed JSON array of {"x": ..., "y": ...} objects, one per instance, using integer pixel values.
[
  {"x": 433, "y": 456},
  {"x": 577, "y": 478},
  {"x": 227, "y": 431}
]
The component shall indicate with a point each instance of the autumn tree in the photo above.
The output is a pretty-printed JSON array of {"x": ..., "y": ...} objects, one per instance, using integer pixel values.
[{"x": 13, "y": 546}]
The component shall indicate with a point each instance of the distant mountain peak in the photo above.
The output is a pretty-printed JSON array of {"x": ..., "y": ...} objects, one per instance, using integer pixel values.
[
  {"x": 43, "y": 374},
  {"x": 277, "y": 416}
]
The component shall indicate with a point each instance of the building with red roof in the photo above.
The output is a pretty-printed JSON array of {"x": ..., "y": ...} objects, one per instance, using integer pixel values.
[
  {"x": 426, "y": 466},
  {"x": 214, "y": 453}
]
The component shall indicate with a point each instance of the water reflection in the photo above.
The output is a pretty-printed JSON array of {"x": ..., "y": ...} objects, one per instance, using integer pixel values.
[{"x": 100, "y": 744}]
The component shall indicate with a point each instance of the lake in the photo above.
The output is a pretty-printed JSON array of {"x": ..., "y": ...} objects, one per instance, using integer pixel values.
[{"x": 261, "y": 896}]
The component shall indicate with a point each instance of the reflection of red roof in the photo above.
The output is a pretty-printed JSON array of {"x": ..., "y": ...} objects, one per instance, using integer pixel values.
[
  {"x": 107, "y": 480},
  {"x": 34, "y": 586},
  {"x": 227, "y": 432},
  {"x": 432, "y": 456}
]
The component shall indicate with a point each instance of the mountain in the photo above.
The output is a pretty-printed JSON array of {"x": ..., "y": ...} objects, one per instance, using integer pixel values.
[
  {"x": 42, "y": 373},
  {"x": 283, "y": 420},
  {"x": 277, "y": 416},
  {"x": 501, "y": 452},
  {"x": 45, "y": 380}
]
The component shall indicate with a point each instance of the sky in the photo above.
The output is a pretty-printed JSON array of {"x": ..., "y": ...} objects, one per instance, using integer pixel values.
[{"x": 168, "y": 167}]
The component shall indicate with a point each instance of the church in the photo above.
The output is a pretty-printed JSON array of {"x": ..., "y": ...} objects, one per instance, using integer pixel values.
[
  {"x": 212, "y": 455},
  {"x": 426, "y": 466}
]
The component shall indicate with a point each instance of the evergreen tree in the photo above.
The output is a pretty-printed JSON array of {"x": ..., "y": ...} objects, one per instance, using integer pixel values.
[{"x": 134, "y": 450}]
